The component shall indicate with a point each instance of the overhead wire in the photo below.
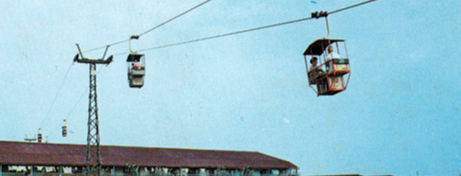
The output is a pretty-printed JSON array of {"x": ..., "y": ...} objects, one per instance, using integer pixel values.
[
  {"x": 187, "y": 11},
  {"x": 56, "y": 96},
  {"x": 207, "y": 38},
  {"x": 351, "y": 6},
  {"x": 220, "y": 35},
  {"x": 72, "y": 110},
  {"x": 102, "y": 47},
  {"x": 151, "y": 29},
  {"x": 227, "y": 34},
  {"x": 246, "y": 30},
  {"x": 119, "y": 42}
]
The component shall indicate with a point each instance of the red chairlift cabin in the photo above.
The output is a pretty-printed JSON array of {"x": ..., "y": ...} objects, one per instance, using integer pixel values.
[{"x": 328, "y": 76}]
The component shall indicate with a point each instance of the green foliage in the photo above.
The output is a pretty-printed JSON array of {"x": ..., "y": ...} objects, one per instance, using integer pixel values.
[
  {"x": 246, "y": 171},
  {"x": 159, "y": 171},
  {"x": 131, "y": 169},
  {"x": 221, "y": 171},
  {"x": 105, "y": 170}
]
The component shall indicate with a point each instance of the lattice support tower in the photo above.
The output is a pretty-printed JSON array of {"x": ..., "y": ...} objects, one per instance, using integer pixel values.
[{"x": 93, "y": 155}]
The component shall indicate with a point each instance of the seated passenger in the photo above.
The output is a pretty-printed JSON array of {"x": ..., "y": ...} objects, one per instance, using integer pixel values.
[
  {"x": 137, "y": 64},
  {"x": 331, "y": 54},
  {"x": 314, "y": 70}
]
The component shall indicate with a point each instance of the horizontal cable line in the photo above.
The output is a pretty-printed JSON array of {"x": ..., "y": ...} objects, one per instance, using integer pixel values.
[
  {"x": 351, "y": 6},
  {"x": 247, "y": 30},
  {"x": 72, "y": 110},
  {"x": 56, "y": 96},
  {"x": 161, "y": 24},
  {"x": 221, "y": 35},
  {"x": 102, "y": 47},
  {"x": 187, "y": 11}
]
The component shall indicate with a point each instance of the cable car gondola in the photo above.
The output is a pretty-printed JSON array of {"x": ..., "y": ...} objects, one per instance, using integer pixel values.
[
  {"x": 329, "y": 75},
  {"x": 39, "y": 137},
  {"x": 136, "y": 67},
  {"x": 64, "y": 129},
  {"x": 136, "y": 70}
]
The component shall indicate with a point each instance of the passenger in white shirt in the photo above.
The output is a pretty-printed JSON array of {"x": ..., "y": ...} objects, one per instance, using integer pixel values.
[{"x": 331, "y": 54}]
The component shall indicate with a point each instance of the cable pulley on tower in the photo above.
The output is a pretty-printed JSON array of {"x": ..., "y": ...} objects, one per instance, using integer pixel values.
[{"x": 93, "y": 61}]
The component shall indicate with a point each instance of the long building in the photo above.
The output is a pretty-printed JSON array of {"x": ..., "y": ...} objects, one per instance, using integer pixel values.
[{"x": 37, "y": 159}]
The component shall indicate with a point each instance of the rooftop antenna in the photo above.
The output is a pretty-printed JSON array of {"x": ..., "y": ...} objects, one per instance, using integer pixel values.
[{"x": 30, "y": 139}]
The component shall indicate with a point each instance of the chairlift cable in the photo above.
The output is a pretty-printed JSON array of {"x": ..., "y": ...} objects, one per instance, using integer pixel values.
[
  {"x": 228, "y": 34},
  {"x": 187, "y": 11},
  {"x": 72, "y": 110},
  {"x": 56, "y": 96},
  {"x": 349, "y": 7},
  {"x": 205, "y": 38},
  {"x": 161, "y": 24},
  {"x": 102, "y": 47},
  {"x": 220, "y": 35},
  {"x": 246, "y": 30}
]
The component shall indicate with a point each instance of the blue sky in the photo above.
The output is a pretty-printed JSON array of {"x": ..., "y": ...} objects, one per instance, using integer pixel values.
[{"x": 400, "y": 114}]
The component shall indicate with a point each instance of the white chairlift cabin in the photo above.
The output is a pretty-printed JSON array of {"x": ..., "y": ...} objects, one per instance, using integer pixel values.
[
  {"x": 136, "y": 67},
  {"x": 64, "y": 129},
  {"x": 334, "y": 62},
  {"x": 327, "y": 76},
  {"x": 39, "y": 137}
]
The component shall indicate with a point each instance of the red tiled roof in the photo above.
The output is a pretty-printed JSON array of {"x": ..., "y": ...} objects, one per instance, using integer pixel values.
[{"x": 24, "y": 153}]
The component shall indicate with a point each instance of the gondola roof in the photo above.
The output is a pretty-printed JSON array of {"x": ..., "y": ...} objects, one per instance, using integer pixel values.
[
  {"x": 133, "y": 57},
  {"x": 316, "y": 46}
]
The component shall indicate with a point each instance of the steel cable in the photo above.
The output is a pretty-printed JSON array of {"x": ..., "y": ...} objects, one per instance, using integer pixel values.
[
  {"x": 246, "y": 30},
  {"x": 161, "y": 24}
]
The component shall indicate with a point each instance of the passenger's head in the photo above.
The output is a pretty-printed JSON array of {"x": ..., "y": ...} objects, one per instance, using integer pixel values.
[
  {"x": 330, "y": 49},
  {"x": 314, "y": 60}
]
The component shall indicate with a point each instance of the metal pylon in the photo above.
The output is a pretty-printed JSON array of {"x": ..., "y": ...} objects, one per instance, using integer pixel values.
[
  {"x": 93, "y": 156},
  {"x": 93, "y": 150}
]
